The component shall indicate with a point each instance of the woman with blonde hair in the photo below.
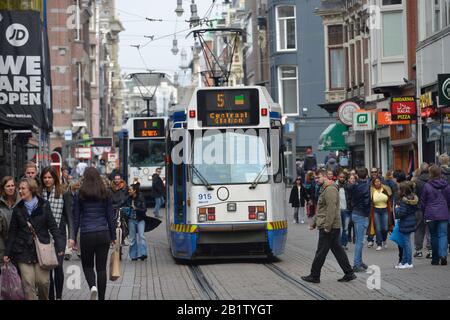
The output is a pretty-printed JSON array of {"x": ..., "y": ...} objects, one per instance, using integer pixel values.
[{"x": 32, "y": 212}]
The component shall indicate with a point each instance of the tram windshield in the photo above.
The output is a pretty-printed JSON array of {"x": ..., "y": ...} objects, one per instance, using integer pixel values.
[
  {"x": 147, "y": 153},
  {"x": 227, "y": 157}
]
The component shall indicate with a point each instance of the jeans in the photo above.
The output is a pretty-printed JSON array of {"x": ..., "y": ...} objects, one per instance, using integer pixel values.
[
  {"x": 407, "y": 249},
  {"x": 302, "y": 214},
  {"x": 345, "y": 220},
  {"x": 381, "y": 225},
  {"x": 439, "y": 243},
  {"x": 361, "y": 223},
  {"x": 422, "y": 231},
  {"x": 329, "y": 241},
  {"x": 159, "y": 201},
  {"x": 95, "y": 246},
  {"x": 57, "y": 280},
  {"x": 138, "y": 243}
]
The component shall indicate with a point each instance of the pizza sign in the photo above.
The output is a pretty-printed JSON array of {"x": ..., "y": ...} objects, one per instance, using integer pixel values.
[{"x": 403, "y": 108}]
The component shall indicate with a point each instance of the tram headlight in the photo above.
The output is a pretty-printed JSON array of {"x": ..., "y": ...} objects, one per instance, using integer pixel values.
[
  {"x": 202, "y": 218},
  {"x": 261, "y": 216},
  {"x": 149, "y": 178}
]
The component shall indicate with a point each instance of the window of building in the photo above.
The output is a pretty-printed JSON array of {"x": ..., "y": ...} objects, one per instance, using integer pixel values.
[
  {"x": 286, "y": 24},
  {"x": 336, "y": 57},
  {"x": 391, "y": 2},
  {"x": 392, "y": 34},
  {"x": 436, "y": 15},
  {"x": 352, "y": 66},
  {"x": 288, "y": 89},
  {"x": 359, "y": 61},
  {"x": 445, "y": 13}
]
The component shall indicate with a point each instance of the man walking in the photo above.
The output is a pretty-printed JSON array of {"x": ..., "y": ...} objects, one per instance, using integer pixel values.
[
  {"x": 158, "y": 191},
  {"x": 328, "y": 221},
  {"x": 360, "y": 193}
]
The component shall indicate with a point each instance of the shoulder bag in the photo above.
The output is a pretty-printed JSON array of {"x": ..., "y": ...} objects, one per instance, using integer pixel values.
[{"x": 45, "y": 252}]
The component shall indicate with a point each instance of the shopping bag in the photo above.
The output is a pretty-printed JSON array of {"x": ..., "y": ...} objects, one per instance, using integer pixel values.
[
  {"x": 11, "y": 284},
  {"x": 396, "y": 236},
  {"x": 114, "y": 266}
]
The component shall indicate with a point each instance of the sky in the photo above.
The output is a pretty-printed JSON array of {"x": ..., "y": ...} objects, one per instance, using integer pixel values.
[{"x": 155, "y": 55}]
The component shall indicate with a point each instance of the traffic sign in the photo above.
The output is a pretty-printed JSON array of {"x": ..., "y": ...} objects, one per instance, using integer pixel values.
[
  {"x": 68, "y": 135},
  {"x": 83, "y": 153}
]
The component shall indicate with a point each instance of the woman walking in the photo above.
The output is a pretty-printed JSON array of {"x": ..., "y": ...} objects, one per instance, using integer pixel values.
[
  {"x": 136, "y": 223},
  {"x": 20, "y": 245},
  {"x": 406, "y": 214},
  {"x": 297, "y": 199},
  {"x": 381, "y": 209},
  {"x": 93, "y": 216},
  {"x": 8, "y": 200},
  {"x": 434, "y": 202},
  {"x": 61, "y": 206}
]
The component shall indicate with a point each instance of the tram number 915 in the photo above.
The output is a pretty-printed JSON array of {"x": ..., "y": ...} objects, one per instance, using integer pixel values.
[{"x": 204, "y": 196}]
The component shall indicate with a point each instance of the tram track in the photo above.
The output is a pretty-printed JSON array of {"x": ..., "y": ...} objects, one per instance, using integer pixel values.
[
  {"x": 206, "y": 288},
  {"x": 298, "y": 283}
]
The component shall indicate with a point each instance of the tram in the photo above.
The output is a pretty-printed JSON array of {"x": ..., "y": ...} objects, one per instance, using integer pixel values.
[
  {"x": 142, "y": 150},
  {"x": 225, "y": 183}
]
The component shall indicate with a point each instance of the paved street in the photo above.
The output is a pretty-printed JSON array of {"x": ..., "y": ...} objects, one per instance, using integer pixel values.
[{"x": 161, "y": 278}]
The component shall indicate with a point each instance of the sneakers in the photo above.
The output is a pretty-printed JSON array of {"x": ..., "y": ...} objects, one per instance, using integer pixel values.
[
  {"x": 347, "y": 278},
  {"x": 418, "y": 254},
  {"x": 379, "y": 248},
  {"x": 429, "y": 255},
  {"x": 143, "y": 257},
  {"x": 311, "y": 279},
  {"x": 443, "y": 261},
  {"x": 370, "y": 244},
  {"x": 357, "y": 269},
  {"x": 94, "y": 293},
  {"x": 302, "y": 222},
  {"x": 295, "y": 221},
  {"x": 404, "y": 266},
  {"x": 364, "y": 266},
  {"x": 385, "y": 245}
]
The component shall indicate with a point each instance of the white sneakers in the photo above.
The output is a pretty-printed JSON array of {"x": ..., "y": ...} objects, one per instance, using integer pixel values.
[
  {"x": 94, "y": 293},
  {"x": 379, "y": 248},
  {"x": 302, "y": 222},
  {"x": 404, "y": 266}
]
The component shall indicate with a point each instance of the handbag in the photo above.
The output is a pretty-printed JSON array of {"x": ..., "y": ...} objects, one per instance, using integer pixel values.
[{"x": 45, "y": 252}]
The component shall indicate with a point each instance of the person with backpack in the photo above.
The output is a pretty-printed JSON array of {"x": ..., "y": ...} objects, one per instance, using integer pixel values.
[
  {"x": 297, "y": 199},
  {"x": 434, "y": 202},
  {"x": 310, "y": 162},
  {"x": 93, "y": 217},
  {"x": 406, "y": 215}
]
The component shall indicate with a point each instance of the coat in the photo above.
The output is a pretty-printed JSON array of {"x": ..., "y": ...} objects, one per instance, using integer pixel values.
[
  {"x": 118, "y": 196},
  {"x": 93, "y": 216},
  {"x": 360, "y": 193},
  {"x": 387, "y": 191},
  {"x": 157, "y": 186},
  {"x": 406, "y": 212},
  {"x": 293, "y": 198},
  {"x": 348, "y": 194},
  {"x": 20, "y": 244},
  {"x": 3, "y": 235},
  {"x": 310, "y": 163},
  {"x": 140, "y": 207},
  {"x": 328, "y": 209},
  {"x": 434, "y": 200},
  {"x": 66, "y": 217},
  {"x": 6, "y": 210}
]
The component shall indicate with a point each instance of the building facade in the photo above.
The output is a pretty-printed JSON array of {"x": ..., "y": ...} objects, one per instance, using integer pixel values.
[{"x": 297, "y": 74}]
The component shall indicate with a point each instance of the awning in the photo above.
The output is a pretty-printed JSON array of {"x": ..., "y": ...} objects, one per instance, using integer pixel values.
[{"x": 332, "y": 138}]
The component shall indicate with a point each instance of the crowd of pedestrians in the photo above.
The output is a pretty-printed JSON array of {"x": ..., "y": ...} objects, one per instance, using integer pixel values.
[
  {"x": 77, "y": 214},
  {"x": 411, "y": 211}
]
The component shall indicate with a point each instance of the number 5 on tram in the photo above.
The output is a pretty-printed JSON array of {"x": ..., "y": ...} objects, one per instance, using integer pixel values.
[{"x": 225, "y": 184}]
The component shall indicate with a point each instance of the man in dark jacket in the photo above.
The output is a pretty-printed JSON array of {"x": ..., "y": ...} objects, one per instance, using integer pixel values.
[
  {"x": 119, "y": 192},
  {"x": 157, "y": 191},
  {"x": 421, "y": 227},
  {"x": 444, "y": 161},
  {"x": 328, "y": 221},
  {"x": 310, "y": 163},
  {"x": 360, "y": 192}
]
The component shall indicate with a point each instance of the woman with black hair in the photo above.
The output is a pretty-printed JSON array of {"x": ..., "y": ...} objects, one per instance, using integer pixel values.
[
  {"x": 60, "y": 204},
  {"x": 297, "y": 200},
  {"x": 94, "y": 216},
  {"x": 136, "y": 222}
]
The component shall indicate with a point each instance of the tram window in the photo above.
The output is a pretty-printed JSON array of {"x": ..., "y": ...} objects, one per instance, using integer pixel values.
[{"x": 147, "y": 153}]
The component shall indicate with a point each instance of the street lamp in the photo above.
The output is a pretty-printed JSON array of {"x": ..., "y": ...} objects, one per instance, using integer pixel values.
[
  {"x": 179, "y": 10},
  {"x": 175, "y": 46},
  {"x": 195, "y": 19}
]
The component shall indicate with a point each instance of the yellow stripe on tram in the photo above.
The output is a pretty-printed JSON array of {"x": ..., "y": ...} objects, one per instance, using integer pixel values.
[
  {"x": 277, "y": 225},
  {"x": 184, "y": 228}
]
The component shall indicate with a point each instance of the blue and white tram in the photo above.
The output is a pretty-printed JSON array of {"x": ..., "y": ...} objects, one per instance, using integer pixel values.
[{"x": 224, "y": 176}]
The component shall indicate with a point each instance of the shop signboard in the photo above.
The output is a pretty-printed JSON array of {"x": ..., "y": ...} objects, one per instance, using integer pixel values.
[
  {"x": 345, "y": 112},
  {"x": 384, "y": 119},
  {"x": 363, "y": 121},
  {"x": 444, "y": 89},
  {"x": 403, "y": 108}
]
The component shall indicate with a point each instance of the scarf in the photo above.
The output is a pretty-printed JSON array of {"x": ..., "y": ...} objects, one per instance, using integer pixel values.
[
  {"x": 31, "y": 205},
  {"x": 57, "y": 205}
]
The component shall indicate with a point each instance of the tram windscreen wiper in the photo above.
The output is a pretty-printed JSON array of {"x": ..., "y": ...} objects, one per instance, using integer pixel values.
[
  {"x": 258, "y": 177},
  {"x": 202, "y": 178}
]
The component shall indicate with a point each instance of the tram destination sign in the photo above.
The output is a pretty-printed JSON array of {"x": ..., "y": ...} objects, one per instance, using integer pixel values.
[
  {"x": 230, "y": 107},
  {"x": 148, "y": 128}
]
